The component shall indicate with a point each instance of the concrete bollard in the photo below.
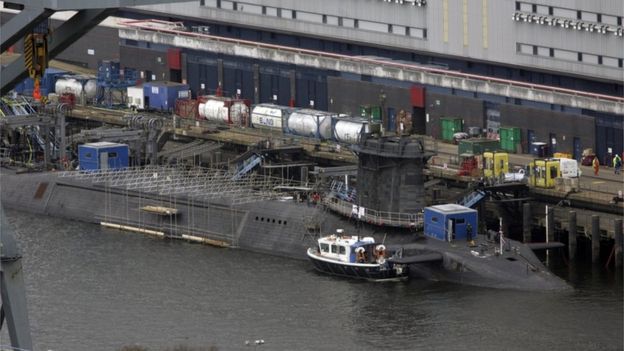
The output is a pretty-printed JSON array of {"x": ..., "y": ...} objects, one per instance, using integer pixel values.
[
  {"x": 572, "y": 235},
  {"x": 618, "y": 242},
  {"x": 595, "y": 238},
  {"x": 526, "y": 222}
]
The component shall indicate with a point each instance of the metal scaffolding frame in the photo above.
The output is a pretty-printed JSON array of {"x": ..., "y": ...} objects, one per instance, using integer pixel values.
[{"x": 181, "y": 183}]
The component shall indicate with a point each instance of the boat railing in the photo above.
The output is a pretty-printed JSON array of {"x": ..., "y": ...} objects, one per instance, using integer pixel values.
[{"x": 375, "y": 217}]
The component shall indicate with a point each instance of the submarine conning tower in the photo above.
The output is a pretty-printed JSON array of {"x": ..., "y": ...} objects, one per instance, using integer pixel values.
[{"x": 390, "y": 173}]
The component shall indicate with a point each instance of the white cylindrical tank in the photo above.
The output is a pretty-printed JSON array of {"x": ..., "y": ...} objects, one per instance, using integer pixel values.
[
  {"x": 213, "y": 110},
  {"x": 90, "y": 88},
  {"x": 68, "y": 85},
  {"x": 268, "y": 116},
  {"x": 239, "y": 112},
  {"x": 310, "y": 123},
  {"x": 348, "y": 130}
]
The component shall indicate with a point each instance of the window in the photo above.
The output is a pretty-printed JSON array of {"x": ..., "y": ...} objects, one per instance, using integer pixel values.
[
  {"x": 112, "y": 155},
  {"x": 434, "y": 219},
  {"x": 324, "y": 248},
  {"x": 334, "y": 249},
  {"x": 460, "y": 221},
  {"x": 88, "y": 155},
  {"x": 342, "y": 249}
]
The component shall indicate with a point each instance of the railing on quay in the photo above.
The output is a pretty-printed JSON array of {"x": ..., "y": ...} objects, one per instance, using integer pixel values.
[{"x": 374, "y": 217}]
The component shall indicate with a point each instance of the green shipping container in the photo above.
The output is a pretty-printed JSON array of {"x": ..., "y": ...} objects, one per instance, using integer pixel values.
[
  {"x": 370, "y": 112},
  {"x": 451, "y": 126},
  {"x": 477, "y": 146},
  {"x": 510, "y": 137}
]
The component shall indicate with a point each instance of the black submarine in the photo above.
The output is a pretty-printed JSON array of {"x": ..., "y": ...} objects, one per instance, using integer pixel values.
[{"x": 253, "y": 213}]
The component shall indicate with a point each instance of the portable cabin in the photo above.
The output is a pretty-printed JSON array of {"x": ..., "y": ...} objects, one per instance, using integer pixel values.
[
  {"x": 542, "y": 172},
  {"x": 496, "y": 164},
  {"x": 103, "y": 155},
  {"x": 450, "y": 222},
  {"x": 162, "y": 95},
  {"x": 135, "y": 97}
]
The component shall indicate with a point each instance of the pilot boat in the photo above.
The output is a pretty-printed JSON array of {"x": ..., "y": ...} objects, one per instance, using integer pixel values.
[{"x": 356, "y": 257}]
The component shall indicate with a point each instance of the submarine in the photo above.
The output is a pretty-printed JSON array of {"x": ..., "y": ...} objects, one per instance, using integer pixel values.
[{"x": 253, "y": 213}]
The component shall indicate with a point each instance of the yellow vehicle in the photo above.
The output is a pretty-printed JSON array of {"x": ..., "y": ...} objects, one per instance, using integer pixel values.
[
  {"x": 496, "y": 164},
  {"x": 542, "y": 172}
]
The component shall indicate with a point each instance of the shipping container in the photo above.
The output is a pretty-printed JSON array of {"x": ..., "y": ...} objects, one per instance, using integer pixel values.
[
  {"x": 450, "y": 126},
  {"x": 103, "y": 155},
  {"x": 46, "y": 84},
  {"x": 510, "y": 138},
  {"x": 187, "y": 108},
  {"x": 371, "y": 112},
  {"x": 270, "y": 116},
  {"x": 348, "y": 130},
  {"x": 224, "y": 110},
  {"x": 135, "y": 97},
  {"x": 310, "y": 123},
  {"x": 477, "y": 146},
  {"x": 162, "y": 95}
]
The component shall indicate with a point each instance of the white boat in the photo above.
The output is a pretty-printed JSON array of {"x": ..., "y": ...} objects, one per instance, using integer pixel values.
[{"x": 354, "y": 256}]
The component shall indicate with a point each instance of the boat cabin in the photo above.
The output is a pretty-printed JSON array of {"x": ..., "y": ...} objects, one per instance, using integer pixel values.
[{"x": 352, "y": 249}]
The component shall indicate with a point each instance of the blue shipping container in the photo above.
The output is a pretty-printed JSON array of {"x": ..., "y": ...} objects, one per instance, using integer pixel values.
[
  {"x": 46, "y": 85},
  {"x": 103, "y": 155},
  {"x": 450, "y": 222},
  {"x": 162, "y": 96}
]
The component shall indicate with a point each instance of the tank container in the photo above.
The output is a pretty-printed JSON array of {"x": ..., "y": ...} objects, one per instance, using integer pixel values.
[
  {"x": 348, "y": 130},
  {"x": 224, "y": 110},
  {"x": 269, "y": 116},
  {"x": 310, "y": 123}
]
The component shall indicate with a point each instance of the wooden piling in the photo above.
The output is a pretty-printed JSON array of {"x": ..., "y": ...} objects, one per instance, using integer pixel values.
[
  {"x": 526, "y": 222},
  {"x": 595, "y": 238},
  {"x": 572, "y": 235},
  {"x": 618, "y": 242}
]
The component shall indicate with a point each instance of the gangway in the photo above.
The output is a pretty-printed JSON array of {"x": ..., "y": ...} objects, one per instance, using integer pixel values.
[
  {"x": 340, "y": 190},
  {"x": 473, "y": 198},
  {"x": 247, "y": 166}
]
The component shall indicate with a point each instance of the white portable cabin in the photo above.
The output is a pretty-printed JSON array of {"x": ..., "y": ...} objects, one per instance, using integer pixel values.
[{"x": 135, "y": 97}]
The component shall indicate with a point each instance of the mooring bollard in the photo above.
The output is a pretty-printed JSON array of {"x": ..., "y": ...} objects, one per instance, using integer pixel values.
[
  {"x": 618, "y": 242},
  {"x": 572, "y": 235},
  {"x": 526, "y": 222},
  {"x": 595, "y": 238}
]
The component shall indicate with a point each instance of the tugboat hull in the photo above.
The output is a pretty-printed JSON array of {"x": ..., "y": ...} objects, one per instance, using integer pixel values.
[{"x": 386, "y": 271}]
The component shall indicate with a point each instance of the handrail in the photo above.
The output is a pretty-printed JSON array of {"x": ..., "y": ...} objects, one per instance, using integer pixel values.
[
  {"x": 144, "y": 24},
  {"x": 375, "y": 217}
]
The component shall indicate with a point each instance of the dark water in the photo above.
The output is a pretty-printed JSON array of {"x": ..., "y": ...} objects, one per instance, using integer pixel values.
[{"x": 91, "y": 288}]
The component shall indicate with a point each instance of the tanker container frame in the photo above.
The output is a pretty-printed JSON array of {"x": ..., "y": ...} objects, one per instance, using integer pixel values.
[
  {"x": 310, "y": 123},
  {"x": 348, "y": 130},
  {"x": 225, "y": 110}
]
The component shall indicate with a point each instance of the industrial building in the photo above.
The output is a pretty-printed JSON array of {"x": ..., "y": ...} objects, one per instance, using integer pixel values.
[{"x": 552, "y": 68}]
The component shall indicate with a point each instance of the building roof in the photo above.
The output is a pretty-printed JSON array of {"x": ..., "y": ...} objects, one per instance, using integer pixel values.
[{"x": 451, "y": 208}]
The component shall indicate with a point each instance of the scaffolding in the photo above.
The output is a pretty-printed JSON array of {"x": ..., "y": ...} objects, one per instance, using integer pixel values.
[{"x": 182, "y": 183}]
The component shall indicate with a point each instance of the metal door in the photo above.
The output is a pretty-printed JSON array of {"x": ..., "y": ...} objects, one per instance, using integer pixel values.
[{"x": 577, "y": 150}]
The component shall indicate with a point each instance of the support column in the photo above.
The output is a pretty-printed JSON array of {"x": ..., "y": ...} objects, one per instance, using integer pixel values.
[
  {"x": 595, "y": 238},
  {"x": 572, "y": 235},
  {"x": 526, "y": 222},
  {"x": 256, "y": 83},
  {"x": 183, "y": 68},
  {"x": 220, "y": 74},
  {"x": 618, "y": 242},
  {"x": 293, "y": 88}
]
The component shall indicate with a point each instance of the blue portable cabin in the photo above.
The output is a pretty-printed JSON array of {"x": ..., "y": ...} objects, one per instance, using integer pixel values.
[
  {"x": 449, "y": 222},
  {"x": 103, "y": 155},
  {"x": 162, "y": 95}
]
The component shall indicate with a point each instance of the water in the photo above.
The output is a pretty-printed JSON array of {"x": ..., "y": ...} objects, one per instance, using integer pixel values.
[{"x": 91, "y": 288}]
